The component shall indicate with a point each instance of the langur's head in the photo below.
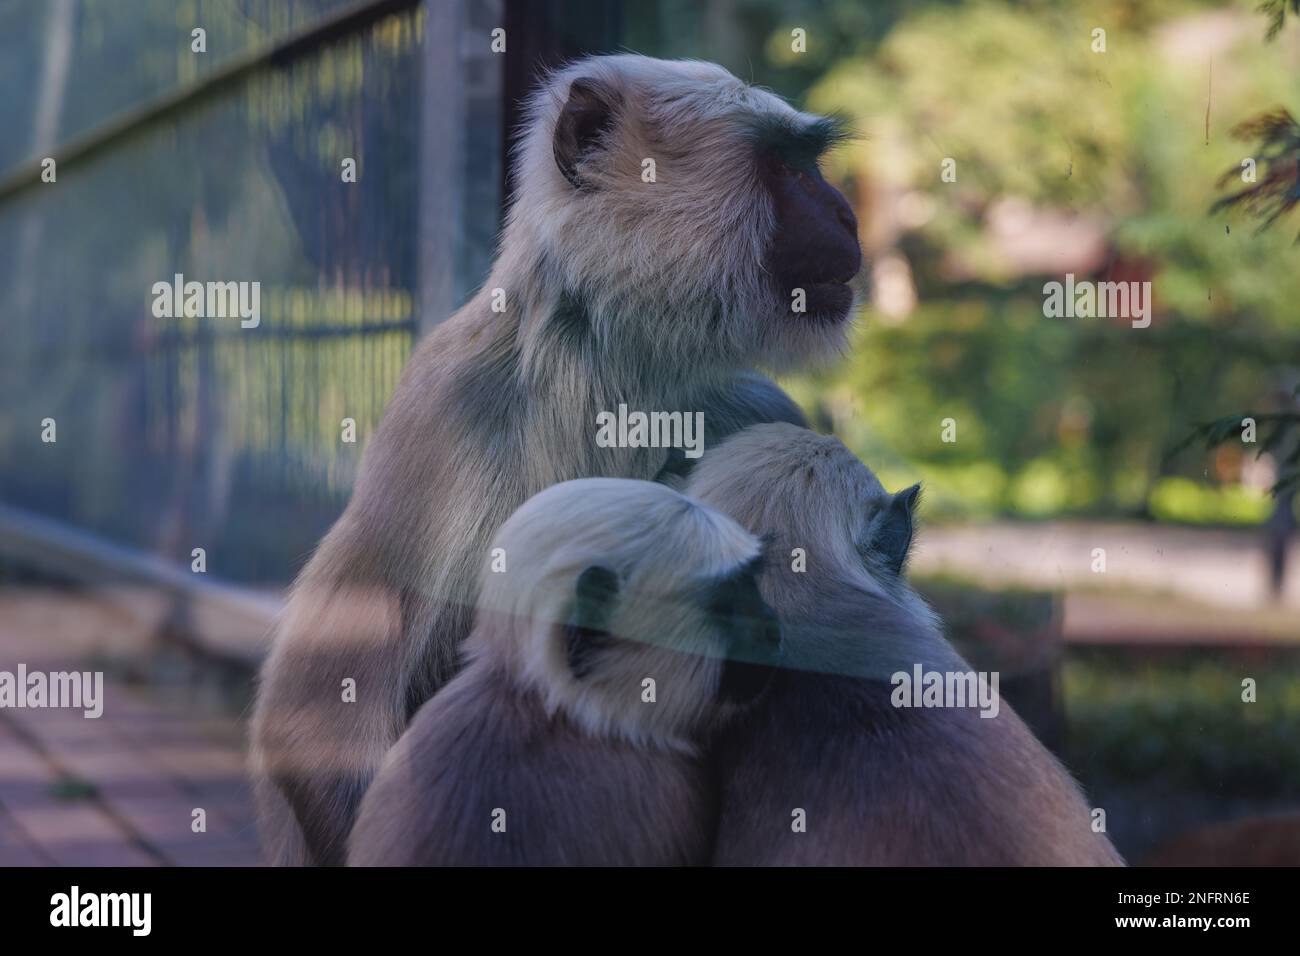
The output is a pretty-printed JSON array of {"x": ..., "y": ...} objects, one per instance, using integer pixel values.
[
  {"x": 808, "y": 491},
  {"x": 628, "y": 607},
  {"x": 680, "y": 214}
]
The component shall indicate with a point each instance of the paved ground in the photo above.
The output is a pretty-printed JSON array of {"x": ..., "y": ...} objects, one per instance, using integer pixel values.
[
  {"x": 122, "y": 789},
  {"x": 1224, "y": 568},
  {"x": 1161, "y": 585}
]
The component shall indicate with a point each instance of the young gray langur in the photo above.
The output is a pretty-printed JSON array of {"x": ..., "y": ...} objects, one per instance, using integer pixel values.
[
  {"x": 661, "y": 295},
  {"x": 876, "y": 784},
  {"x": 627, "y": 628}
]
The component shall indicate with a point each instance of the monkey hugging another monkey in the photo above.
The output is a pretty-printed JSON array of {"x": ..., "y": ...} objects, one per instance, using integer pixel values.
[
  {"x": 625, "y": 629},
  {"x": 657, "y": 295},
  {"x": 630, "y": 697},
  {"x": 661, "y": 296}
]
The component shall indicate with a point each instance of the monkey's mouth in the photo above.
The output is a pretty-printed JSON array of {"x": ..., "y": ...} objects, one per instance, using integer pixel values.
[{"x": 827, "y": 301}]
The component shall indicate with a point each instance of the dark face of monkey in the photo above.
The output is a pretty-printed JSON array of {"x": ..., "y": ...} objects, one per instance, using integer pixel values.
[
  {"x": 694, "y": 203},
  {"x": 815, "y": 244}
]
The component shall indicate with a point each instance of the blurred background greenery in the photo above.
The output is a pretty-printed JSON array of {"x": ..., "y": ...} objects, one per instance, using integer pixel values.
[{"x": 1102, "y": 164}]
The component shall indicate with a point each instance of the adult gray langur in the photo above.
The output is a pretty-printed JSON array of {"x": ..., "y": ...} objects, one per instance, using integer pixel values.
[
  {"x": 660, "y": 292},
  {"x": 829, "y": 768},
  {"x": 626, "y": 629}
]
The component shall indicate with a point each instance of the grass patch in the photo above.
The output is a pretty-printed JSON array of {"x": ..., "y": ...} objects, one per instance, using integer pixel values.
[{"x": 1178, "y": 720}]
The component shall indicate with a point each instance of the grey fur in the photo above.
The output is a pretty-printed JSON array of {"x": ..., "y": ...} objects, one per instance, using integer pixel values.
[
  {"x": 649, "y": 294},
  {"x": 483, "y": 744},
  {"x": 585, "y": 770},
  {"x": 879, "y": 785}
]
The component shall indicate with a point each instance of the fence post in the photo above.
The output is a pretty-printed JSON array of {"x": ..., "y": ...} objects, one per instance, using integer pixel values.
[{"x": 442, "y": 124}]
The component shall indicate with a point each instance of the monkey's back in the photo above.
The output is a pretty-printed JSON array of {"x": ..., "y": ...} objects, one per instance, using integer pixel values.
[
  {"x": 484, "y": 777},
  {"x": 887, "y": 786}
]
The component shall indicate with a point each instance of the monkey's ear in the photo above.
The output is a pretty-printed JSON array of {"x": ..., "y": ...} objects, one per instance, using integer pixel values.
[
  {"x": 587, "y": 115},
  {"x": 892, "y": 536},
  {"x": 587, "y": 630}
]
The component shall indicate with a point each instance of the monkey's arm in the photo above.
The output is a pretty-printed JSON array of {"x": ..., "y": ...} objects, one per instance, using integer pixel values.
[
  {"x": 328, "y": 707},
  {"x": 375, "y": 619},
  {"x": 367, "y": 625},
  {"x": 750, "y": 398}
]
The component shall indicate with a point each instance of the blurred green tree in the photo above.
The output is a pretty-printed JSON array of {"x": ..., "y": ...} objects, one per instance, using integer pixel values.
[{"x": 1082, "y": 140}]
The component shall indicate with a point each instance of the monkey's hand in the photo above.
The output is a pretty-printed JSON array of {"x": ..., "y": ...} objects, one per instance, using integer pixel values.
[
  {"x": 326, "y": 807},
  {"x": 322, "y": 772}
]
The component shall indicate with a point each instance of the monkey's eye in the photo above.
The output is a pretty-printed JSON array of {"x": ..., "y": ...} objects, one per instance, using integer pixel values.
[
  {"x": 790, "y": 171},
  {"x": 793, "y": 163},
  {"x": 782, "y": 167}
]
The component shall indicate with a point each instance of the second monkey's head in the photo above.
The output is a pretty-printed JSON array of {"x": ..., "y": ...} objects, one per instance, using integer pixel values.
[
  {"x": 602, "y": 584},
  {"x": 680, "y": 212},
  {"x": 844, "y": 593},
  {"x": 807, "y": 491}
]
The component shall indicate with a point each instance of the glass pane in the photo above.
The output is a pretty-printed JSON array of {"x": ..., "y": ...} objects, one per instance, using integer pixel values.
[
  {"x": 178, "y": 432},
  {"x": 84, "y": 61}
]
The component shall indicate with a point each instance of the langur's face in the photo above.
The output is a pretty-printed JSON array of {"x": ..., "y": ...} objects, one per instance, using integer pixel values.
[
  {"x": 697, "y": 205},
  {"x": 812, "y": 253}
]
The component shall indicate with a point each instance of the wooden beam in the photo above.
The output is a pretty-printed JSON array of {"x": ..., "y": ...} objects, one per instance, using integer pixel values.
[{"x": 222, "y": 619}]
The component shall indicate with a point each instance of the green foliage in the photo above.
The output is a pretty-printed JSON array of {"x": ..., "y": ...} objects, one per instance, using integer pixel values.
[
  {"x": 1182, "y": 723},
  {"x": 1065, "y": 415},
  {"x": 1278, "y": 190},
  {"x": 1183, "y": 501},
  {"x": 1275, "y": 10},
  {"x": 1050, "y": 417},
  {"x": 1276, "y": 428},
  {"x": 753, "y": 38}
]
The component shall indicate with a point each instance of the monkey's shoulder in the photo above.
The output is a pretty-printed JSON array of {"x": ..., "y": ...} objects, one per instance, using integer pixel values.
[
  {"x": 878, "y": 784},
  {"x": 745, "y": 399}
]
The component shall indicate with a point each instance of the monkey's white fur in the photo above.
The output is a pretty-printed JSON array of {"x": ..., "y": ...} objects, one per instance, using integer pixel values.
[
  {"x": 663, "y": 547},
  {"x": 586, "y": 770},
  {"x": 668, "y": 268},
  {"x": 807, "y": 491}
]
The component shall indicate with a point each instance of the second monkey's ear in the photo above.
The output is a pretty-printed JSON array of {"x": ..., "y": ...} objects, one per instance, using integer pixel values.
[
  {"x": 586, "y": 632},
  {"x": 587, "y": 115},
  {"x": 892, "y": 537}
]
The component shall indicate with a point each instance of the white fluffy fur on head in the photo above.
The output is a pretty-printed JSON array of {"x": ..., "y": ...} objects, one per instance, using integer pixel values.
[
  {"x": 805, "y": 490},
  {"x": 664, "y": 549},
  {"x": 672, "y": 267}
]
